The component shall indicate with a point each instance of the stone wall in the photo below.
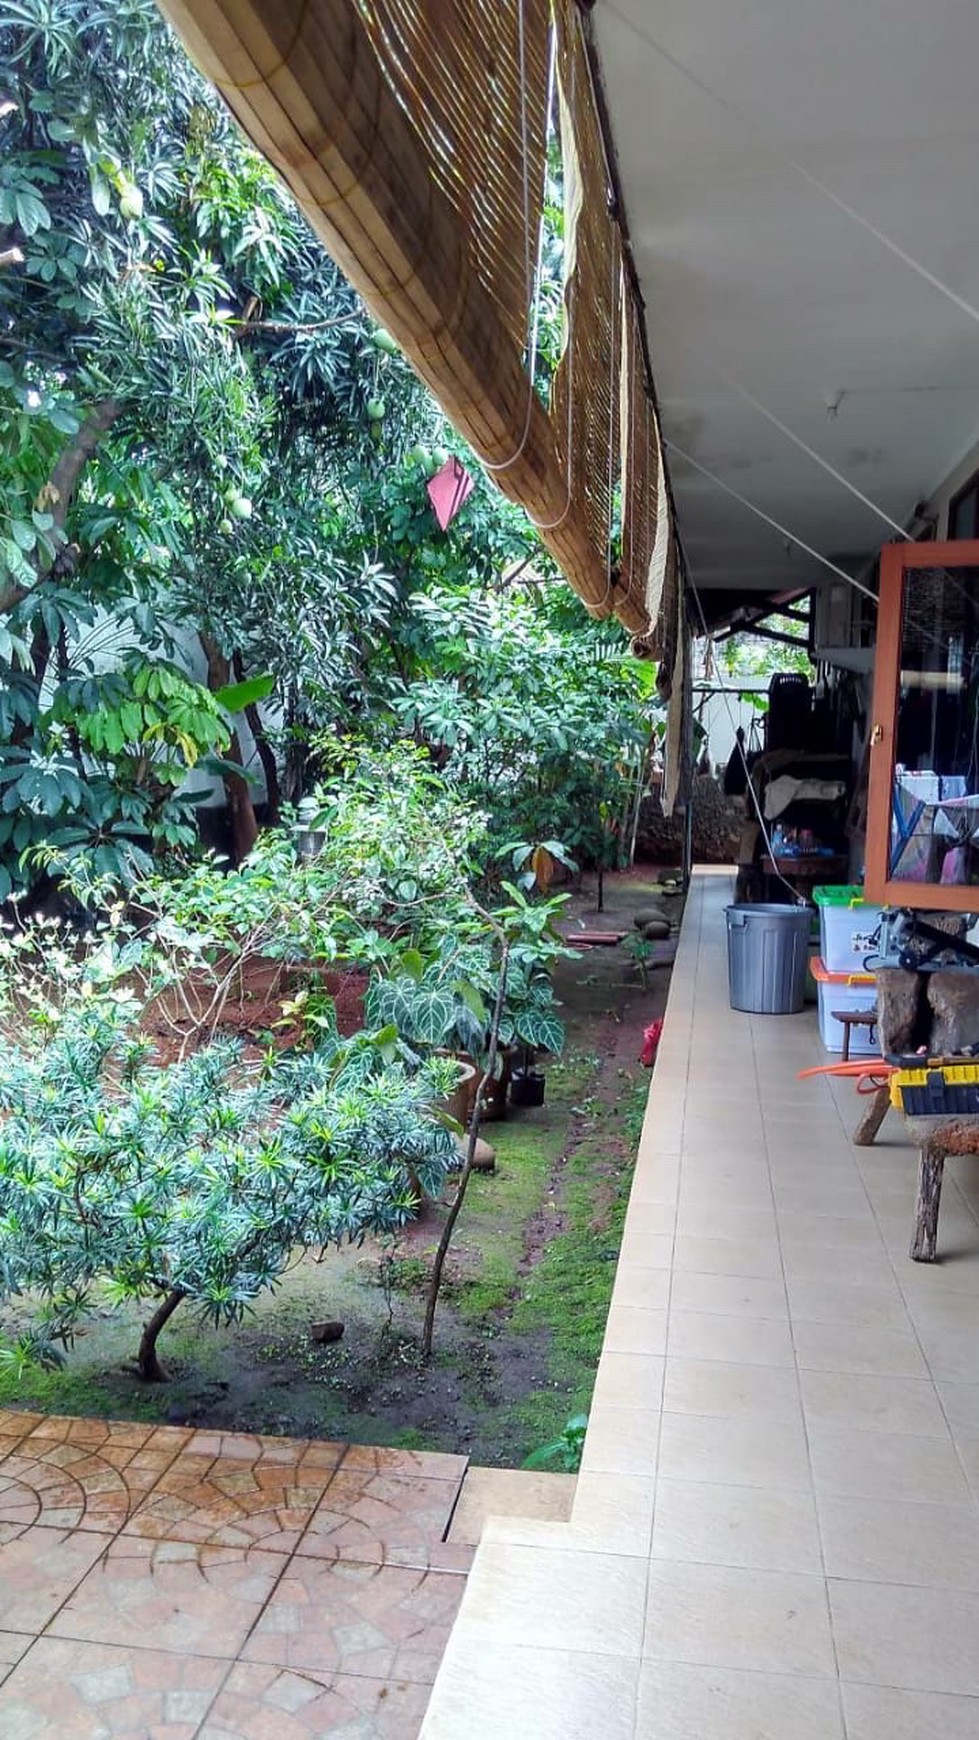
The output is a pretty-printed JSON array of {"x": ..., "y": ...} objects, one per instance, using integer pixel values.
[{"x": 716, "y": 828}]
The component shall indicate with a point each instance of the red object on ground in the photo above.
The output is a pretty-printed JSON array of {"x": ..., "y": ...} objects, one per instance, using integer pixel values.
[
  {"x": 448, "y": 489},
  {"x": 650, "y": 1040}
]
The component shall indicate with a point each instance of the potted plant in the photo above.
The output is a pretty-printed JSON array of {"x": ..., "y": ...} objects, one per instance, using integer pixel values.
[
  {"x": 526, "y": 1083},
  {"x": 444, "y": 1004}
]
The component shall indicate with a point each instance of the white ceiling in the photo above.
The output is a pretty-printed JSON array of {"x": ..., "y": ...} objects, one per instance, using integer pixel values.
[{"x": 725, "y": 113}]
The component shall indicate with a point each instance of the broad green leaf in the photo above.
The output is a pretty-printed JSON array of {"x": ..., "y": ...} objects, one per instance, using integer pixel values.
[{"x": 235, "y": 697}]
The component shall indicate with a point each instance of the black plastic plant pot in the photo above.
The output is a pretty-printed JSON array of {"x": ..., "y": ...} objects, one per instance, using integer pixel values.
[{"x": 526, "y": 1089}]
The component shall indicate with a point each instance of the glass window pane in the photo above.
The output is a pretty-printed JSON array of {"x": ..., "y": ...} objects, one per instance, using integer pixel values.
[{"x": 935, "y": 801}]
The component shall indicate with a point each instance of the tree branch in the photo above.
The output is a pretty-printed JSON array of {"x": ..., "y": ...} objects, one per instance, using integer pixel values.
[{"x": 61, "y": 485}]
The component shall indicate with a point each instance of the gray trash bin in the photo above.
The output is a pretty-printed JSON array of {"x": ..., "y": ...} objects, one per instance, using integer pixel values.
[{"x": 767, "y": 956}]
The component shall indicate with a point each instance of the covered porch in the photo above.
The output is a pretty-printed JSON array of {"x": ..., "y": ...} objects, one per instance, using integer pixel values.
[{"x": 775, "y": 1529}]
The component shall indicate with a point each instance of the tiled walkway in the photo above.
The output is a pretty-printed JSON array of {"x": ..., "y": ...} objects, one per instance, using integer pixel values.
[
  {"x": 775, "y": 1534},
  {"x": 163, "y": 1584}
]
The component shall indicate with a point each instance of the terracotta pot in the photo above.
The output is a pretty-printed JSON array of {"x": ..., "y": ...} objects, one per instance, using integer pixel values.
[
  {"x": 495, "y": 1092},
  {"x": 458, "y": 1104}
]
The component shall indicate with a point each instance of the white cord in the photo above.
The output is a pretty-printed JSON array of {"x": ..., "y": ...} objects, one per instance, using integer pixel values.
[
  {"x": 736, "y": 386},
  {"x": 533, "y": 282},
  {"x": 775, "y": 524},
  {"x": 761, "y": 132}
]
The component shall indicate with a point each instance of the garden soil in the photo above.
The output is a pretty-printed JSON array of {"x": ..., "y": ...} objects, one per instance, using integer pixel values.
[{"x": 528, "y": 1280}]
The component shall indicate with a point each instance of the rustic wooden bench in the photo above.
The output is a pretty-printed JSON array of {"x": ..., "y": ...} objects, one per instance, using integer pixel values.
[{"x": 936, "y": 1138}]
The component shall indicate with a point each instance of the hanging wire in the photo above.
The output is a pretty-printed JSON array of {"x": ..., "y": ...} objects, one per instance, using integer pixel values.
[
  {"x": 769, "y": 521},
  {"x": 761, "y": 132},
  {"x": 764, "y": 410}
]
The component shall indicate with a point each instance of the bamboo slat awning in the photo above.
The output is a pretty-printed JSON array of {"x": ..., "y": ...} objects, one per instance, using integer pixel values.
[{"x": 413, "y": 134}]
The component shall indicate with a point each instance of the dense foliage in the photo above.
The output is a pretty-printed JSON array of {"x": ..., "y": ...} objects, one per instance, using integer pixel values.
[
  {"x": 208, "y": 454},
  {"x": 195, "y": 1179},
  {"x": 221, "y": 577}
]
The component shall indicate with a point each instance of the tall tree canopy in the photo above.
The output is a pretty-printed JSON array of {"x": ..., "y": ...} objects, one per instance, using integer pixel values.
[{"x": 213, "y": 469}]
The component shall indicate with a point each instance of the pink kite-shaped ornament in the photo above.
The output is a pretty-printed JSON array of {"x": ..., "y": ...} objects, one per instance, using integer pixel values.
[{"x": 448, "y": 489}]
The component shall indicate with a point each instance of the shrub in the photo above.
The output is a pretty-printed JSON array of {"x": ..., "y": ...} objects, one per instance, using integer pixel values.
[{"x": 194, "y": 1180}]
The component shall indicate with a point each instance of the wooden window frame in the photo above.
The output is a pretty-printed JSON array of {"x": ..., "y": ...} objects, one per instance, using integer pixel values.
[
  {"x": 897, "y": 562},
  {"x": 971, "y": 487}
]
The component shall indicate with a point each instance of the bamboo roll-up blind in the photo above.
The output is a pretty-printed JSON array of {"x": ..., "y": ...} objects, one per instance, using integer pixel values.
[
  {"x": 455, "y": 66},
  {"x": 585, "y": 393},
  {"x": 413, "y": 134}
]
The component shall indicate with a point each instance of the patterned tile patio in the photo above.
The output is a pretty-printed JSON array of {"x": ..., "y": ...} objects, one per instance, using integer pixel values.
[{"x": 167, "y": 1584}]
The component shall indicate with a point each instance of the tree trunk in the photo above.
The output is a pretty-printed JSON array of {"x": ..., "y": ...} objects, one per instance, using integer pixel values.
[
  {"x": 150, "y": 1369},
  {"x": 60, "y": 488},
  {"x": 435, "y": 1280},
  {"x": 244, "y": 823},
  {"x": 266, "y": 753}
]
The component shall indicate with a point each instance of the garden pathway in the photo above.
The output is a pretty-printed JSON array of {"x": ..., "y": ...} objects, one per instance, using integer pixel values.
[
  {"x": 174, "y": 1584},
  {"x": 775, "y": 1531}
]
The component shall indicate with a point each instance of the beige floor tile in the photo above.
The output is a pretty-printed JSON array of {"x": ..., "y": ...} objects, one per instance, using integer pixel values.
[
  {"x": 938, "y": 1311},
  {"x": 630, "y": 1329},
  {"x": 677, "y": 1702},
  {"x": 628, "y": 1380},
  {"x": 956, "y": 1271},
  {"x": 709, "y": 1221},
  {"x": 614, "y": 1512},
  {"x": 729, "y": 1295},
  {"x": 860, "y": 1464},
  {"x": 880, "y": 1713},
  {"x": 756, "y": 1258},
  {"x": 656, "y": 1253},
  {"x": 501, "y": 1692},
  {"x": 919, "y": 1639},
  {"x": 644, "y": 1289},
  {"x": 757, "y": 1451},
  {"x": 822, "y": 1196},
  {"x": 967, "y": 1445},
  {"x": 649, "y": 1220},
  {"x": 714, "y": 1616},
  {"x": 859, "y": 1348},
  {"x": 736, "y": 1525},
  {"x": 961, "y": 1404},
  {"x": 509, "y": 1492},
  {"x": 876, "y": 1304},
  {"x": 874, "y": 1404},
  {"x": 722, "y": 1194},
  {"x": 952, "y": 1354},
  {"x": 556, "y": 1599},
  {"x": 656, "y": 1181},
  {"x": 622, "y": 1441},
  {"x": 703, "y": 1335},
  {"x": 827, "y": 1265},
  {"x": 856, "y": 1233},
  {"x": 881, "y": 1540},
  {"x": 726, "y": 1388}
]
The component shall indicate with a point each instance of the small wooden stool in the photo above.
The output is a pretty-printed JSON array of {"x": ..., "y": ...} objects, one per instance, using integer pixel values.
[
  {"x": 936, "y": 1138},
  {"x": 850, "y": 1018}
]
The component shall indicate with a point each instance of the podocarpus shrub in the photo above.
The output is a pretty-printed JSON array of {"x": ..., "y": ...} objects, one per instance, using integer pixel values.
[{"x": 194, "y": 1180}]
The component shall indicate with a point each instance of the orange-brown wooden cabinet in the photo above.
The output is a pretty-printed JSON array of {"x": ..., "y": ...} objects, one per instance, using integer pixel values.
[{"x": 923, "y": 808}]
